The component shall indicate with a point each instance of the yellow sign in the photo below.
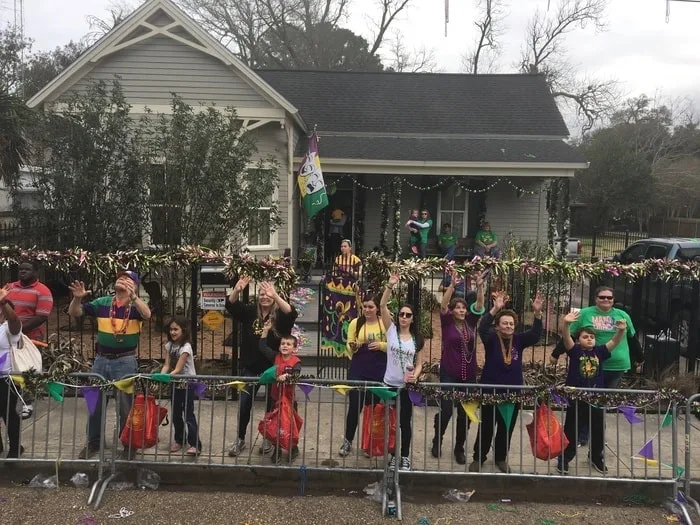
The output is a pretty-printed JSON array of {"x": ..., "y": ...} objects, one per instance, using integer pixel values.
[{"x": 213, "y": 319}]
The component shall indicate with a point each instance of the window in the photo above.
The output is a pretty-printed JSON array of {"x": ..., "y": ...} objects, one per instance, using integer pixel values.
[
  {"x": 260, "y": 233},
  {"x": 452, "y": 208},
  {"x": 166, "y": 209},
  {"x": 656, "y": 251},
  {"x": 634, "y": 253}
]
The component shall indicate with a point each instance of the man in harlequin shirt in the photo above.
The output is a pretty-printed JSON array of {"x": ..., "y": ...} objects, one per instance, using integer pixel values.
[
  {"x": 33, "y": 303},
  {"x": 119, "y": 319}
]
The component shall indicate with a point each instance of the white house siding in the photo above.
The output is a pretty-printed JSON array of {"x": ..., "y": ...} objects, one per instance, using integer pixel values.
[
  {"x": 524, "y": 215},
  {"x": 271, "y": 141},
  {"x": 151, "y": 70}
]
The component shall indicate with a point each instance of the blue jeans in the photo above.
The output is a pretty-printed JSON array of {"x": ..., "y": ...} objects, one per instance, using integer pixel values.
[
  {"x": 111, "y": 370},
  {"x": 423, "y": 248},
  {"x": 495, "y": 252},
  {"x": 449, "y": 252},
  {"x": 245, "y": 402}
]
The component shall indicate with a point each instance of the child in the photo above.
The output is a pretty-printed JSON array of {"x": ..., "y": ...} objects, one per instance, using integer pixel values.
[
  {"x": 415, "y": 237},
  {"x": 585, "y": 371},
  {"x": 181, "y": 361},
  {"x": 288, "y": 366},
  {"x": 423, "y": 224},
  {"x": 447, "y": 242}
]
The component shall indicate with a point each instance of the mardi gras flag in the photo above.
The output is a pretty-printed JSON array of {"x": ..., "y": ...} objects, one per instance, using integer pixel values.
[
  {"x": 339, "y": 308},
  {"x": 311, "y": 185}
]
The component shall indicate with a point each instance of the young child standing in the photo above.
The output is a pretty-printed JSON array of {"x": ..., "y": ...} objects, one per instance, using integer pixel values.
[
  {"x": 447, "y": 241},
  {"x": 585, "y": 371},
  {"x": 181, "y": 361},
  {"x": 288, "y": 366}
]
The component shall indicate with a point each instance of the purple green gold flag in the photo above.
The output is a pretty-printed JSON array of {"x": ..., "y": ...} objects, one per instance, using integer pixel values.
[{"x": 310, "y": 180}]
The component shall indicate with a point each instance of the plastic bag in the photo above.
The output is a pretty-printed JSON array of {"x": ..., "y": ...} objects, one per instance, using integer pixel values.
[
  {"x": 458, "y": 496},
  {"x": 80, "y": 480},
  {"x": 147, "y": 479},
  {"x": 373, "y": 429},
  {"x": 373, "y": 491},
  {"x": 282, "y": 425},
  {"x": 547, "y": 438},
  {"x": 141, "y": 427},
  {"x": 43, "y": 482}
]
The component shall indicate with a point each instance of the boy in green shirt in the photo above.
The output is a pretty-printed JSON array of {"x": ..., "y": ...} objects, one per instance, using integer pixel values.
[
  {"x": 447, "y": 242},
  {"x": 486, "y": 242}
]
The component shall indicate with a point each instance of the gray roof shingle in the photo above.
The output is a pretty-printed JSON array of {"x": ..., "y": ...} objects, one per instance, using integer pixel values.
[
  {"x": 424, "y": 103},
  {"x": 444, "y": 149}
]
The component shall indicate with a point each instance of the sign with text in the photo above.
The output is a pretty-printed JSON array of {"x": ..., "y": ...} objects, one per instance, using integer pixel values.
[
  {"x": 213, "y": 319},
  {"x": 213, "y": 300}
]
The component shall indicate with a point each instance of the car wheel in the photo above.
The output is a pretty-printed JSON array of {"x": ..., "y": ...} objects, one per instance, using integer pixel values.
[{"x": 680, "y": 329}]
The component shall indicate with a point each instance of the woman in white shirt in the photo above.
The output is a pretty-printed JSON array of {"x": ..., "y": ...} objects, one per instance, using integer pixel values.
[
  {"x": 10, "y": 333},
  {"x": 403, "y": 363}
]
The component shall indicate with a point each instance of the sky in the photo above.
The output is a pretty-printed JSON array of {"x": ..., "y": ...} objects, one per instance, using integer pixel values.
[{"x": 640, "y": 49}]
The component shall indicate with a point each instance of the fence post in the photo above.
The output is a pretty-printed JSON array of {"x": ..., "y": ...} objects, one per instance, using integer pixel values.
[
  {"x": 593, "y": 242},
  {"x": 194, "y": 302},
  {"x": 627, "y": 237}
]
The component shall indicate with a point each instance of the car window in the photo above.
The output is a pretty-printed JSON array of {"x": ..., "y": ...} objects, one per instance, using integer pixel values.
[
  {"x": 656, "y": 251},
  {"x": 689, "y": 253},
  {"x": 633, "y": 254}
]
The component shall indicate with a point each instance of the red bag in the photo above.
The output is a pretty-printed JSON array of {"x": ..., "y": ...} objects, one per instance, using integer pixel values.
[
  {"x": 547, "y": 439},
  {"x": 282, "y": 425},
  {"x": 141, "y": 427},
  {"x": 373, "y": 429}
]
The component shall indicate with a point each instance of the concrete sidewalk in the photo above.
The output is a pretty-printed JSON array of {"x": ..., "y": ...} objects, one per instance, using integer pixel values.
[{"x": 58, "y": 431}]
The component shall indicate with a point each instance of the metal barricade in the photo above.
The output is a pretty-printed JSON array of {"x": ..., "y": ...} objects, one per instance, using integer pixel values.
[{"x": 691, "y": 407}]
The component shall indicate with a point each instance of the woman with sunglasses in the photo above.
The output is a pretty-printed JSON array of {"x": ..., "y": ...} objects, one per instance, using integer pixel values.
[
  {"x": 458, "y": 359},
  {"x": 403, "y": 363}
]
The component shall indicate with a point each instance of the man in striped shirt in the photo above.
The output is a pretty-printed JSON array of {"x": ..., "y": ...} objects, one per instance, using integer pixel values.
[
  {"x": 119, "y": 318},
  {"x": 33, "y": 303}
]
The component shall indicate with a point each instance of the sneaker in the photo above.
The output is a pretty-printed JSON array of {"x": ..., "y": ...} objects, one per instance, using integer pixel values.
[
  {"x": 460, "y": 458},
  {"x": 599, "y": 465},
  {"x": 27, "y": 411},
  {"x": 582, "y": 443},
  {"x": 176, "y": 447},
  {"x": 503, "y": 467},
  {"x": 88, "y": 451},
  {"x": 192, "y": 451},
  {"x": 562, "y": 468},
  {"x": 345, "y": 448},
  {"x": 475, "y": 466},
  {"x": 265, "y": 447},
  {"x": 238, "y": 447},
  {"x": 294, "y": 454},
  {"x": 392, "y": 463},
  {"x": 405, "y": 463}
]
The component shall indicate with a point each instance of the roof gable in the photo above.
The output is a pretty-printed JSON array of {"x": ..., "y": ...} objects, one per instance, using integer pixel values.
[
  {"x": 156, "y": 18},
  {"x": 421, "y": 103}
]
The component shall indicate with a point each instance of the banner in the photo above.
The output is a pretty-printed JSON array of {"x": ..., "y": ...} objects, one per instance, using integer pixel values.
[
  {"x": 310, "y": 180},
  {"x": 339, "y": 303}
]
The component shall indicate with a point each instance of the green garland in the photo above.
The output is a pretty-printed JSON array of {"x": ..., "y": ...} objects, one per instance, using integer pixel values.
[
  {"x": 384, "y": 224},
  {"x": 396, "y": 251}
]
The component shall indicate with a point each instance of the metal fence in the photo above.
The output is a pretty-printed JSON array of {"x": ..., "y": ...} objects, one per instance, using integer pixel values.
[
  {"x": 640, "y": 442},
  {"x": 606, "y": 244}
]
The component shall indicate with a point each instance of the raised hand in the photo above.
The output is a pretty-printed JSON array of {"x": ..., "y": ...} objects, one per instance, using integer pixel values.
[
  {"x": 4, "y": 291},
  {"x": 78, "y": 290},
  {"x": 537, "y": 303},
  {"x": 393, "y": 279},
  {"x": 242, "y": 283},
  {"x": 267, "y": 288},
  {"x": 621, "y": 324},
  {"x": 499, "y": 300},
  {"x": 454, "y": 277},
  {"x": 572, "y": 317}
]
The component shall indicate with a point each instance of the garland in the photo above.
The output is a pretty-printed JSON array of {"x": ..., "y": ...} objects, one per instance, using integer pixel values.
[
  {"x": 552, "y": 204},
  {"x": 384, "y": 224},
  {"x": 359, "y": 224},
  {"x": 396, "y": 251},
  {"x": 274, "y": 269},
  {"x": 442, "y": 183},
  {"x": 566, "y": 217}
]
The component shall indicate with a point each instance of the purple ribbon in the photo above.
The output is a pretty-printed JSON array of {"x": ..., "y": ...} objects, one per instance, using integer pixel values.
[
  {"x": 416, "y": 398},
  {"x": 628, "y": 412},
  {"x": 198, "y": 388}
]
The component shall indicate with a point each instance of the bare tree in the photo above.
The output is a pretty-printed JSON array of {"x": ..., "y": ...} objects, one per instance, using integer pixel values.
[
  {"x": 545, "y": 53},
  {"x": 118, "y": 11},
  {"x": 403, "y": 60},
  {"x": 260, "y": 31},
  {"x": 486, "y": 49}
]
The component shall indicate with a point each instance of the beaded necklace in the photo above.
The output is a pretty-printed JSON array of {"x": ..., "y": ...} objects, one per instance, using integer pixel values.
[
  {"x": 506, "y": 349},
  {"x": 467, "y": 352},
  {"x": 401, "y": 352},
  {"x": 117, "y": 332}
]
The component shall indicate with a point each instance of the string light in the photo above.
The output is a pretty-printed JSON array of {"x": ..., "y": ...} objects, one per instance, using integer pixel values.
[{"x": 442, "y": 183}]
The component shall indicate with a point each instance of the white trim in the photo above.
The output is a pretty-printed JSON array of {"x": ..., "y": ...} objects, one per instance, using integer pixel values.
[
  {"x": 291, "y": 241},
  {"x": 138, "y": 18},
  {"x": 274, "y": 240}
]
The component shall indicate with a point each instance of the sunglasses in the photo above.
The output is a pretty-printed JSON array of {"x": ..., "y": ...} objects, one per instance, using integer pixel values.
[
  {"x": 405, "y": 315},
  {"x": 605, "y": 297}
]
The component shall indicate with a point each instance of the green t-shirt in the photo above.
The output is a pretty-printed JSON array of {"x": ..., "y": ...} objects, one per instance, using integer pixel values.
[
  {"x": 423, "y": 232},
  {"x": 447, "y": 239},
  {"x": 485, "y": 237},
  {"x": 604, "y": 325}
]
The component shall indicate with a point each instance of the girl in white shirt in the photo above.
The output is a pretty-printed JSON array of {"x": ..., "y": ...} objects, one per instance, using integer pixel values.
[{"x": 403, "y": 363}]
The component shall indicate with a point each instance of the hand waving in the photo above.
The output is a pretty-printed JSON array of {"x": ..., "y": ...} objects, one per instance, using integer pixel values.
[
  {"x": 78, "y": 290},
  {"x": 571, "y": 317},
  {"x": 537, "y": 303}
]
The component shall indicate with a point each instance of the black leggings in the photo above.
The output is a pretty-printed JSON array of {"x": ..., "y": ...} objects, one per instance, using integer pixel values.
[
  {"x": 8, "y": 412},
  {"x": 490, "y": 417},
  {"x": 357, "y": 398},
  {"x": 405, "y": 416}
]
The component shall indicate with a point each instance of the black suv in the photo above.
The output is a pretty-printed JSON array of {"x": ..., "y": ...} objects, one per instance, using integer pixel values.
[{"x": 657, "y": 306}]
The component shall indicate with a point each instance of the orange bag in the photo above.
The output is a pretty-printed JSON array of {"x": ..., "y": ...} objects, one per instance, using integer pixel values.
[
  {"x": 373, "y": 429},
  {"x": 547, "y": 437},
  {"x": 282, "y": 425},
  {"x": 141, "y": 427}
]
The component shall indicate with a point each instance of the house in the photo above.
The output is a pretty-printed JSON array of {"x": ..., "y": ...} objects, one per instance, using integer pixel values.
[{"x": 461, "y": 146}]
